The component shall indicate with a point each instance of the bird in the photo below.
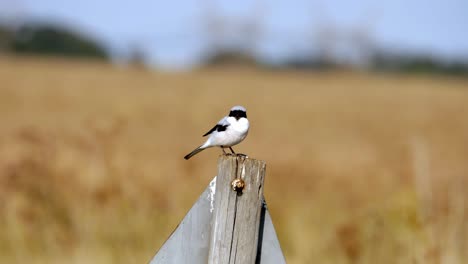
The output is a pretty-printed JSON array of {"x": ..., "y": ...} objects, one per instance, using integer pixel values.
[{"x": 229, "y": 131}]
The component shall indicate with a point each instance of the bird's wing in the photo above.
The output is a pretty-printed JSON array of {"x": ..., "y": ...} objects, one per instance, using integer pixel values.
[{"x": 220, "y": 126}]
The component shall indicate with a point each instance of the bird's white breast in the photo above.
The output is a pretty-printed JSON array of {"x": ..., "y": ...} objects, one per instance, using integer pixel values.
[
  {"x": 234, "y": 133},
  {"x": 240, "y": 126}
]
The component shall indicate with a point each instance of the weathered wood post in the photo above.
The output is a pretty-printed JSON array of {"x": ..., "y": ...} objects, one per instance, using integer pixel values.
[
  {"x": 229, "y": 224},
  {"x": 236, "y": 216}
]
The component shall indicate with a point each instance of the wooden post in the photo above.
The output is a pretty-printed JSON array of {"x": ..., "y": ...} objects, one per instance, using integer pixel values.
[
  {"x": 236, "y": 217},
  {"x": 226, "y": 226}
]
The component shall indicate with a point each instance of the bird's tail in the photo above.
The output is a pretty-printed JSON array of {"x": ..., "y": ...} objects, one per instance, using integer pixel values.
[{"x": 193, "y": 153}]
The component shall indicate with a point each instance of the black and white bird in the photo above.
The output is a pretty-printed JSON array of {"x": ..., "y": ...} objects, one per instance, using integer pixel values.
[{"x": 229, "y": 131}]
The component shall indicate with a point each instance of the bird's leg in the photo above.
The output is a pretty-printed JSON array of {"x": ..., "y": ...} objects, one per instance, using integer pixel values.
[
  {"x": 237, "y": 154},
  {"x": 224, "y": 152},
  {"x": 232, "y": 150}
]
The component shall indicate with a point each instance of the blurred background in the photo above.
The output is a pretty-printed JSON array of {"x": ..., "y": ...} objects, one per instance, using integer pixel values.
[{"x": 358, "y": 108}]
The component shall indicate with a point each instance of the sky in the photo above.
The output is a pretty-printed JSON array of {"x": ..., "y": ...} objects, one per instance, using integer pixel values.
[{"x": 175, "y": 33}]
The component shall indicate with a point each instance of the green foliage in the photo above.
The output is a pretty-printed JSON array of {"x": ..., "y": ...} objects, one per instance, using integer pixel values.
[
  {"x": 414, "y": 63},
  {"x": 230, "y": 57},
  {"x": 46, "y": 39}
]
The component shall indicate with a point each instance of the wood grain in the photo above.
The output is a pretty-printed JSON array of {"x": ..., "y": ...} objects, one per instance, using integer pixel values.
[{"x": 236, "y": 217}]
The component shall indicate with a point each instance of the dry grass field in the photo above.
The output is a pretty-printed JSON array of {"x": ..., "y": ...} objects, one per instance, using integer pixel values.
[{"x": 361, "y": 168}]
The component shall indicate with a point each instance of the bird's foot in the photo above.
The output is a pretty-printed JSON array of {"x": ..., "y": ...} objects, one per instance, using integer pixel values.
[{"x": 242, "y": 155}]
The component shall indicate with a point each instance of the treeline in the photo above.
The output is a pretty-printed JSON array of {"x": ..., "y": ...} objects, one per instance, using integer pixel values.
[
  {"x": 419, "y": 63},
  {"x": 382, "y": 61},
  {"x": 48, "y": 39}
]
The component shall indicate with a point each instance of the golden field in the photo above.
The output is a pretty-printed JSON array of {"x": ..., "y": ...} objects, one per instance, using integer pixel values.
[{"x": 361, "y": 168}]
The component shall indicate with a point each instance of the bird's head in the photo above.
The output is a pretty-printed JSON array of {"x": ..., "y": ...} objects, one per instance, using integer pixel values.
[{"x": 238, "y": 112}]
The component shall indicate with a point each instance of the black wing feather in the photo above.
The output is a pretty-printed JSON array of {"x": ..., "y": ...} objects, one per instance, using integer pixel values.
[
  {"x": 218, "y": 128},
  {"x": 211, "y": 131}
]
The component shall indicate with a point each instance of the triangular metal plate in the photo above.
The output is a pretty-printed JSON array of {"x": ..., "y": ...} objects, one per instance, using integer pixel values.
[{"x": 189, "y": 243}]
